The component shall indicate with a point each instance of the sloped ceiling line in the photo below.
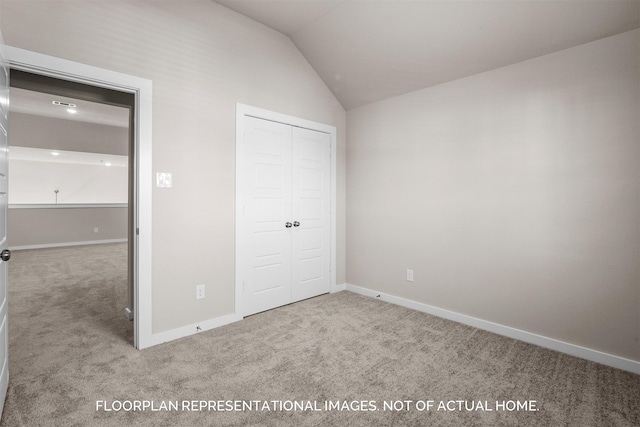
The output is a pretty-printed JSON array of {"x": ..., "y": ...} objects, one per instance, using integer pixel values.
[{"x": 366, "y": 51}]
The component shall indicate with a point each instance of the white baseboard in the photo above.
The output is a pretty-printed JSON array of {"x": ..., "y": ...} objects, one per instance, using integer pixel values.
[
  {"x": 542, "y": 341},
  {"x": 193, "y": 329},
  {"x": 340, "y": 287},
  {"x": 60, "y": 245}
]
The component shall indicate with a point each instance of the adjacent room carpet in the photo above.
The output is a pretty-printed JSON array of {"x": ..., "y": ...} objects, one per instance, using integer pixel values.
[{"x": 71, "y": 357}]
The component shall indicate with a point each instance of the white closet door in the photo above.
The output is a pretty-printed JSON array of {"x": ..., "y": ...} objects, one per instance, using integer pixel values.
[
  {"x": 310, "y": 198},
  {"x": 266, "y": 240},
  {"x": 285, "y": 227}
]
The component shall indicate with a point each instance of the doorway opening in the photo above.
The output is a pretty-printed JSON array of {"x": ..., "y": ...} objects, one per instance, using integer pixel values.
[
  {"x": 70, "y": 71},
  {"x": 72, "y": 170}
]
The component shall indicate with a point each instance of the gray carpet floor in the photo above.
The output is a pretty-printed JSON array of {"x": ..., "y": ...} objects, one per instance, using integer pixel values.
[{"x": 70, "y": 347}]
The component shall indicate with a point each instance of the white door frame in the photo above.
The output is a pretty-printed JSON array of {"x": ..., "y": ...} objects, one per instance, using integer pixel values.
[
  {"x": 50, "y": 66},
  {"x": 243, "y": 111}
]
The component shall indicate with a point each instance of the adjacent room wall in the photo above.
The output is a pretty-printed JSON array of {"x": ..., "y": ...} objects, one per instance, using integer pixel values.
[
  {"x": 33, "y": 182},
  {"x": 202, "y": 59},
  {"x": 36, "y": 182},
  {"x": 46, "y": 227},
  {"x": 514, "y": 195}
]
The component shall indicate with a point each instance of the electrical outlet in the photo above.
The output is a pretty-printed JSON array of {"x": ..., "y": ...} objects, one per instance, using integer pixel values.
[
  {"x": 95, "y": 229},
  {"x": 199, "y": 291},
  {"x": 409, "y": 275}
]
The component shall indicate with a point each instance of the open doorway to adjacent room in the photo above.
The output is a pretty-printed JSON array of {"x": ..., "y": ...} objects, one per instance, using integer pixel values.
[{"x": 72, "y": 200}]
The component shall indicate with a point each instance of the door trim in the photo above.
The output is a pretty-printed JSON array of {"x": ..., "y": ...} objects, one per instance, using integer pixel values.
[
  {"x": 243, "y": 111},
  {"x": 50, "y": 66}
]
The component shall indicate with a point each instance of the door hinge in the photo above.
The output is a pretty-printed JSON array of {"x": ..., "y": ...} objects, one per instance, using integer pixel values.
[{"x": 137, "y": 231}]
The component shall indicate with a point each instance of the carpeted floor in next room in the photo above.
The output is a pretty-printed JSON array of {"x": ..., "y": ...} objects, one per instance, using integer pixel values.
[{"x": 70, "y": 347}]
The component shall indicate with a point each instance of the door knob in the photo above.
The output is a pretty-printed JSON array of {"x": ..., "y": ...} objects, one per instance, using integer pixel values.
[
  {"x": 288, "y": 225},
  {"x": 5, "y": 255},
  {"x": 296, "y": 224}
]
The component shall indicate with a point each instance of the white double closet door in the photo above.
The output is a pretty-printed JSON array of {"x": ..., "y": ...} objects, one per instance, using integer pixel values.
[{"x": 284, "y": 229}]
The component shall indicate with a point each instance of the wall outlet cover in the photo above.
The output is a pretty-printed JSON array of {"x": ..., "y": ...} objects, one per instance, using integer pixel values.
[
  {"x": 199, "y": 292},
  {"x": 409, "y": 275}
]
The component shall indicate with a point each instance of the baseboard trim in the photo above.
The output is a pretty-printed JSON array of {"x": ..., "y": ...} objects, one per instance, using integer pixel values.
[
  {"x": 550, "y": 343},
  {"x": 60, "y": 245},
  {"x": 340, "y": 287},
  {"x": 196, "y": 328},
  {"x": 185, "y": 331}
]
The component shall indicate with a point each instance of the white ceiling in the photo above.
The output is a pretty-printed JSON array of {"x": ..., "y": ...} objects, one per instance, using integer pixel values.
[
  {"x": 40, "y": 104},
  {"x": 367, "y": 50}
]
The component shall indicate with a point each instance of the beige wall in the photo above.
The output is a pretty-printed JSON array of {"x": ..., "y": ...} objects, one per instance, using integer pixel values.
[
  {"x": 39, "y": 227},
  {"x": 513, "y": 194},
  {"x": 202, "y": 59}
]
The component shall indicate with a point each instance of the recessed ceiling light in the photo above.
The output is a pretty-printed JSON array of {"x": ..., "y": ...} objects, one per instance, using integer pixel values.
[
  {"x": 107, "y": 164},
  {"x": 55, "y": 153},
  {"x": 71, "y": 111}
]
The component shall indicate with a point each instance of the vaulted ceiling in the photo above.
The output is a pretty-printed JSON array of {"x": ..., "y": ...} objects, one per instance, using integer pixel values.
[{"x": 367, "y": 50}]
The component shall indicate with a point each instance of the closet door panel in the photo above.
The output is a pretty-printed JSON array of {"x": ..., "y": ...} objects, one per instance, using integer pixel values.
[
  {"x": 310, "y": 206},
  {"x": 266, "y": 189}
]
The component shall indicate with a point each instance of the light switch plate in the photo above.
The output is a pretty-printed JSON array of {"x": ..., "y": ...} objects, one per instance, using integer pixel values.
[{"x": 163, "y": 180}]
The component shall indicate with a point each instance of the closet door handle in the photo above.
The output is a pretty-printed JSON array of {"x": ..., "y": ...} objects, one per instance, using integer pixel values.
[
  {"x": 288, "y": 225},
  {"x": 296, "y": 224}
]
